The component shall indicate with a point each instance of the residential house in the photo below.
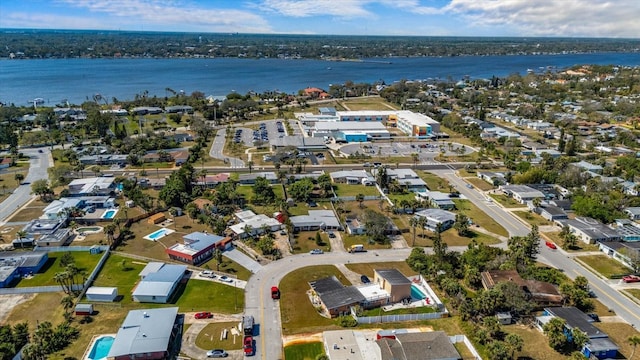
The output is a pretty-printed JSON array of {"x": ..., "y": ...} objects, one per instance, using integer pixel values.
[
  {"x": 407, "y": 179},
  {"x": 92, "y": 186},
  {"x": 251, "y": 224},
  {"x": 621, "y": 251},
  {"x": 539, "y": 291},
  {"x": 352, "y": 177},
  {"x": 428, "y": 345},
  {"x": 586, "y": 166},
  {"x": 590, "y": 230},
  {"x": 250, "y": 179},
  {"x": 633, "y": 212},
  {"x": 335, "y": 298},
  {"x": 316, "y": 220},
  {"x": 551, "y": 212},
  {"x": 157, "y": 282},
  {"x": 197, "y": 247},
  {"x": 599, "y": 344},
  {"x": 629, "y": 230},
  {"x": 522, "y": 193},
  {"x": 437, "y": 217},
  {"x": 493, "y": 178},
  {"x": 148, "y": 334},
  {"x": 14, "y": 265},
  {"x": 437, "y": 199},
  {"x": 393, "y": 282}
]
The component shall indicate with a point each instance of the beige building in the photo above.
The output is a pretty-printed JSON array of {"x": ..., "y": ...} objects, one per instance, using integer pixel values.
[{"x": 393, "y": 282}]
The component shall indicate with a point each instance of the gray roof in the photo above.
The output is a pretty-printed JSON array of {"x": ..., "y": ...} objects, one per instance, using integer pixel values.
[
  {"x": 393, "y": 276},
  {"x": 523, "y": 190},
  {"x": 144, "y": 331},
  {"x": 635, "y": 211},
  {"x": 298, "y": 141},
  {"x": 575, "y": 318},
  {"x": 601, "y": 344},
  {"x": 316, "y": 218},
  {"x": 333, "y": 294},
  {"x": 429, "y": 345},
  {"x": 159, "y": 279},
  {"x": 552, "y": 210},
  {"x": 22, "y": 259},
  {"x": 438, "y": 215},
  {"x": 592, "y": 228}
]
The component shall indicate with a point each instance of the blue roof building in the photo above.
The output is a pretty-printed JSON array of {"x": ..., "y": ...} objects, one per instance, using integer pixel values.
[{"x": 158, "y": 281}]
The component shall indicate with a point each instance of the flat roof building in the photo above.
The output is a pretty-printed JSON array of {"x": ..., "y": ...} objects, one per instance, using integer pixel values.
[{"x": 197, "y": 247}]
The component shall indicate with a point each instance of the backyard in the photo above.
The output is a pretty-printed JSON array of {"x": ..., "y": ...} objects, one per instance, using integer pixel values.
[
  {"x": 83, "y": 260},
  {"x": 354, "y": 190},
  {"x": 304, "y": 351}
]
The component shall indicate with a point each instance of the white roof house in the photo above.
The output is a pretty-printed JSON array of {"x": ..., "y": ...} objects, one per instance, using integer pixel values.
[
  {"x": 591, "y": 230},
  {"x": 522, "y": 193},
  {"x": 255, "y": 222},
  {"x": 143, "y": 332},
  {"x": 436, "y": 217},
  {"x": 92, "y": 186},
  {"x": 353, "y": 177},
  {"x": 317, "y": 219}
]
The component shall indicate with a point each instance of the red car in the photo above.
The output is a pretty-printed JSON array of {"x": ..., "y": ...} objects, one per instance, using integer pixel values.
[
  {"x": 204, "y": 315},
  {"x": 247, "y": 347},
  {"x": 631, "y": 278},
  {"x": 551, "y": 245}
]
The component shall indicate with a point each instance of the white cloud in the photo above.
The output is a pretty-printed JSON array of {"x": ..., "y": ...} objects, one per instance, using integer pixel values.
[
  {"x": 48, "y": 21},
  {"x": 596, "y": 18},
  {"x": 176, "y": 13},
  {"x": 305, "y": 8}
]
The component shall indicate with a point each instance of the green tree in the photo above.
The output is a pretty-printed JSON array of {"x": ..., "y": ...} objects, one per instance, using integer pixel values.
[
  {"x": 376, "y": 225},
  {"x": 461, "y": 224},
  {"x": 217, "y": 255},
  {"x": 41, "y": 188},
  {"x": 301, "y": 190},
  {"x": 499, "y": 350},
  {"x": 360, "y": 199},
  {"x": 263, "y": 192},
  {"x": 66, "y": 259},
  {"x": 554, "y": 330},
  {"x": 579, "y": 338},
  {"x": 19, "y": 177},
  {"x": 21, "y": 234},
  {"x": 634, "y": 341},
  {"x": 413, "y": 222},
  {"x": 515, "y": 344}
]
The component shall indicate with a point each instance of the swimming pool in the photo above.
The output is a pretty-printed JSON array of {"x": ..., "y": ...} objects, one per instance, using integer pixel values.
[
  {"x": 158, "y": 234},
  {"x": 101, "y": 348},
  {"x": 109, "y": 214},
  {"x": 89, "y": 229},
  {"x": 416, "y": 293}
]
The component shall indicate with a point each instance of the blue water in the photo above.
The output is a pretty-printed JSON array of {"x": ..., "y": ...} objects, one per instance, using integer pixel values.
[
  {"x": 156, "y": 234},
  {"x": 79, "y": 79},
  {"x": 101, "y": 348},
  {"x": 417, "y": 293},
  {"x": 109, "y": 214}
]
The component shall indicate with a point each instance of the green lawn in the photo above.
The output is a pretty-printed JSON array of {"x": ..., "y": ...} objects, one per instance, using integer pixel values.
[
  {"x": 228, "y": 266},
  {"x": 605, "y": 265},
  {"x": 306, "y": 351},
  {"x": 83, "y": 260},
  {"x": 397, "y": 198},
  {"x": 634, "y": 292},
  {"x": 434, "y": 182},
  {"x": 479, "y": 183},
  {"x": 305, "y": 241},
  {"x": 451, "y": 238},
  {"x": 506, "y": 201},
  {"x": 349, "y": 240},
  {"x": 210, "y": 337},
  {"x": 297, "y": 313},
  {"x": 479, "y": 217},
  {"x": 353, "y": 190},
  {"x": 580, "y": 246},
  {"x": 532, "y": 218}
]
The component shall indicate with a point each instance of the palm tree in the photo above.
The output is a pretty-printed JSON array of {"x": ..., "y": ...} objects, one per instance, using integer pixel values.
[
  {"x": 422, "y": 222},
  {"x": 360, "y": 199},
  {"x": 19, "y": 177},
  {"x": 21, "y": 235},
  {"x": 634, "y": 341},
  {"x": 413, "y": 222},
  {"x": 250, "y": 165},
  {"x": 109, "y": 230},
  {"x": 67, "y": 303}
]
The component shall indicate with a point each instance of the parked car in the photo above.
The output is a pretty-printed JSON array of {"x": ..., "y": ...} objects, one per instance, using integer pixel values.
[
  {"x": 316, "y": 252},
  {"x": 594, "y": 316},
  {"x": 631, "y": 278},
  {"x": 206, "y": 273},
  {"x": 225, "y": 279},
  {"x": 365, "y": 279},
  {"x": 247, "y": 346},
  {"x": 217, "y": 353},
  {"x": 331, "y": 234},
  {"x": 203, "y": 315}
]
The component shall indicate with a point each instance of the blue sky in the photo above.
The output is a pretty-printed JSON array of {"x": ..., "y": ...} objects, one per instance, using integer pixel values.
[{"x": 579, "y": 18}]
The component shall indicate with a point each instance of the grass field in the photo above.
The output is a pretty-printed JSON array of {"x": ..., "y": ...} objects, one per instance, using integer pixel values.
[
  {"x": 536, "y": 345},
  {"x": 605, "y": 265},
  {"x": 479, "y": 217},
  {"x": 348, "y": 240},
  {"x": 297, "y": 313},
  {"x": 28, "y": 213},
  {"x": 367, "y": 269},
  {"x": 374, "y": 103},
  {"x": 210, "y": 337},
  {"x": 353, "y": 190},
  {"x": 580, "y": 246},
  {"x": 83, "y": 260},
  {"x": 506, "y": 201},
  {"x": 434, "y": 182},
  {"x": 532, "y": 218},
  {"x": 451, "y": 238},
  {"x": 479, "y": 183},
  {"x": 306, "y": 241},
  {"x": 306, "y": 351},
  {"x": 619, "y": 333}
]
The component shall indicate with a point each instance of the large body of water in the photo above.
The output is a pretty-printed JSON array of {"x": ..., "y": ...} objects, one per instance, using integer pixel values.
[{"x": 77, "y": 80}]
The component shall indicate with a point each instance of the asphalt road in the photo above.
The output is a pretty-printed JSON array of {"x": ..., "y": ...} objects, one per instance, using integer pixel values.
[
  {"x": 38, "y": 166},
  {"x": 611, "y": 298}
]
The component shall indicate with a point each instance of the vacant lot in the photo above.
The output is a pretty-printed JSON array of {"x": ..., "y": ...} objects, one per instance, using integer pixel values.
[
  {"x": 297, "y": 312},
  {"x": 506, "y": 201},
  {"x": 349, "y": 240},
  {"x": 580, "y": 246},
  {"x": 479, "y": 217},
  {"x": 307, "y": 351},
  {"x": 532, "y": 218},
  {"x": 305, "y": 241},
  {"x": 28, "y": 213},
  {"x": 479, "y": 183},
  {"x": 354, "y": 190},
  {"x": 211, "y": 337},
  {"x": 536, "y": 345},
  {"x": 83, "y": 260},
  {"x": 605, "y": 265}
]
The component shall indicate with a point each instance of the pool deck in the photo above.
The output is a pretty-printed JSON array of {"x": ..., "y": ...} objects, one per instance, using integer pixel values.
[
  {"x": 167, "y": 231},
  {"x": 94, "y": 338}
]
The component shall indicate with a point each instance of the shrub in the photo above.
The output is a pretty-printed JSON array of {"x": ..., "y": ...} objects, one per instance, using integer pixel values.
[{"x": 347, "y": 321}]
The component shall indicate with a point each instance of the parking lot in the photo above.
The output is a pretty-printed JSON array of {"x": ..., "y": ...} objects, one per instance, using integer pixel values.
[
  {"x": 265, "y": 132},
  {"x": 425, "y": 150}
]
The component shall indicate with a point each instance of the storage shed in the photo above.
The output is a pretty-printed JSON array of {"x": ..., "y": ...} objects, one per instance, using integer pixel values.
[
  {"x": 84, "y": 309},
  {"x": 157, "y": 218},
  {"x": 97, "y": 293}
]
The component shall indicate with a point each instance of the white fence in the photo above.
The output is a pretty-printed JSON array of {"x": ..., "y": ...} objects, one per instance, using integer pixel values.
[
  {"x": 464, "y": 339},
  {"x": 398, "y": 317}
]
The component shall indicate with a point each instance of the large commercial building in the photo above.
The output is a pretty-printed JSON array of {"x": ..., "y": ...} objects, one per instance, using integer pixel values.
[
  {"x": 351, "y": 131},
  {"x": 416, "y": 124}
]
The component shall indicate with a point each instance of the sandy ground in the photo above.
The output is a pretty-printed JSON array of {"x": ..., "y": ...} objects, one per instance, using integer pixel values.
[{"x": 8, "y": 302}]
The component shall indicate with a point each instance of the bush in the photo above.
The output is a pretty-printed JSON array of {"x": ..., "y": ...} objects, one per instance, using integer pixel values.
[{"x": 347, "y": 321}]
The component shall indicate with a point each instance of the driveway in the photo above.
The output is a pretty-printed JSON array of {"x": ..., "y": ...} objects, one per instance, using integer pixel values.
[
  {"x": 38, "y": 164},
  {"x": 217, "y": 148},
  {"x": 244, "y": 260}
]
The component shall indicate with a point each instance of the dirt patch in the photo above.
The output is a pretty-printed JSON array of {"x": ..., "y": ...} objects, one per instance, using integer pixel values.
[
  {"x": 8, "y": 302},
  {"x": 301, "y": 339},
  {"x": 282, "y": 243}
]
